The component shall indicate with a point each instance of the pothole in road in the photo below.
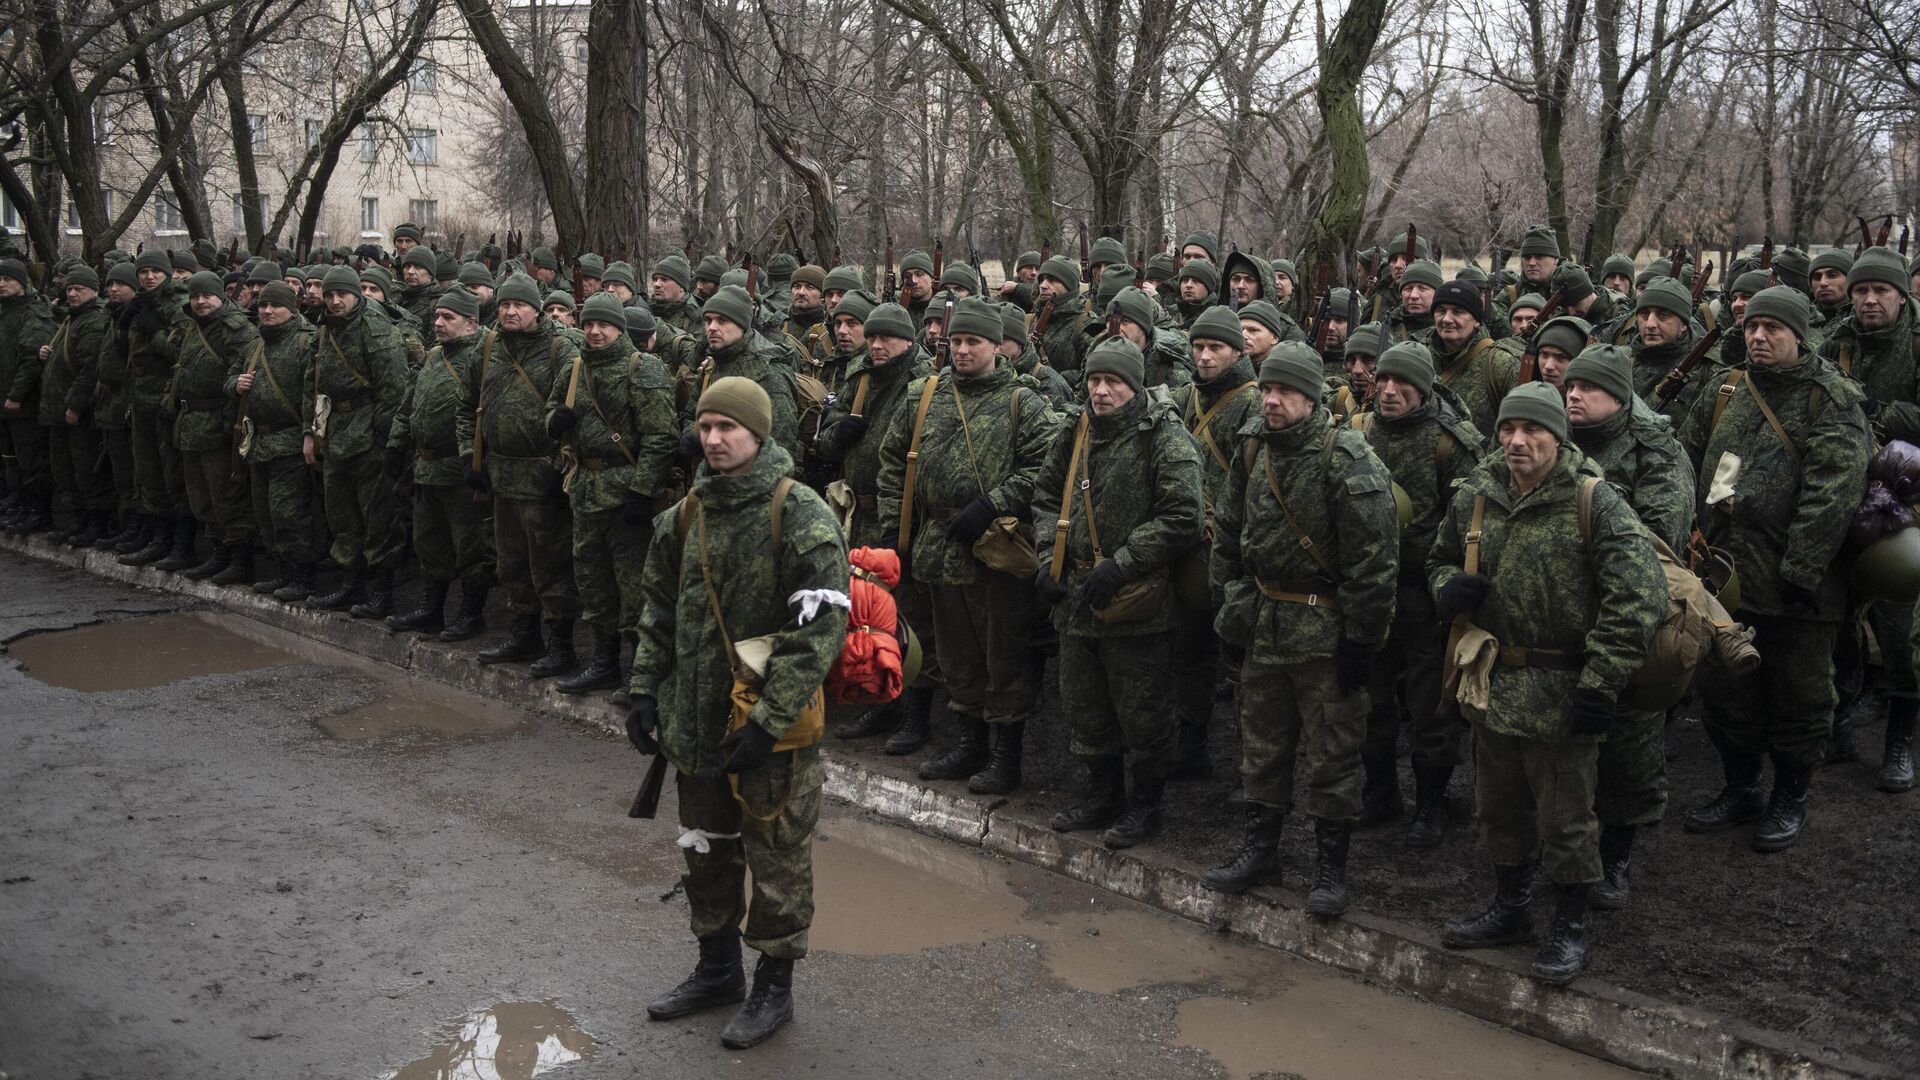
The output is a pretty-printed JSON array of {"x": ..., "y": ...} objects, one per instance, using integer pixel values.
[
  {"x": 511, "y": 1041},
  {"x": 412, "y": 708},
  {"x": 137, "y": 654}
]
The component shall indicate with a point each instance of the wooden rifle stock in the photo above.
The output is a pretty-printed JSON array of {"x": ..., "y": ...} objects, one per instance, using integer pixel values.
[
  {"x": 646, "y": 802},
  {"x": 1674, "y": 381}
]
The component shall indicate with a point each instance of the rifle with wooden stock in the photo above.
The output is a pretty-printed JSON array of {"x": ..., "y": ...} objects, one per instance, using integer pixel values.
[
  {"x": 1675, "y": 380},
  {"x": 1530, "y": 359}
]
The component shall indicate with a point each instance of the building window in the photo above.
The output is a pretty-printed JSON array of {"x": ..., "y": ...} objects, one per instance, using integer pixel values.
[
  {"x": 73, "y": 211},
  {"x": 369, "y": 147},
  {"x": 423, "y": 78},
  {"x": 102, "y": 125},
  {"x": 257, "y": 131},
  {"x": 166, "y": 214},
  {"x": 314, "y": 128},
  {"x": 424, "y": 213},
  {"x": 580, "y": 51},
  {"x": 369, "y": 215},
  {"x": 423, "y": 146},
  {"x": 9, "y": 217},
  {"x": 240, "y": 214}
]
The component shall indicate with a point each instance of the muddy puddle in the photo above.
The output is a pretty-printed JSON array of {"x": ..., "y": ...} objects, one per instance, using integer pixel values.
[
  {"x": 410, "y": 708},
  {"x": 511, "y": 1041},
  {"x": 137, "y": 654}
]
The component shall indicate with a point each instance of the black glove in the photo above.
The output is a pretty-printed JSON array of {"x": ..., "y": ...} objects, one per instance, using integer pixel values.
[
  {"x": 562, "y": 420},
  {"x": 848, "y": 429},
  {"x": 748, "y": 747},
  {"x": 643, "y": 717},
  {"x": 1590, "y": 713},
  {"x": 689, "y": 453},
  {"x": 1797, "y": 596},
  {"x": 1050, "y": 590},
  {"x": 557, "y": 487},
  {"x": 146, "y": 316},
  {"x": 476, "y": 479},
  {"x": 396, "y": 462},
  {"x": 637, "y": 510},
  {"x": 1105, "y": 580},
  {"x": 1462, "y": 594},
  {"x": 1352, "y": 665},
  {"x": 1870, "y": 407},
  {"x": 971, "y": 522}
]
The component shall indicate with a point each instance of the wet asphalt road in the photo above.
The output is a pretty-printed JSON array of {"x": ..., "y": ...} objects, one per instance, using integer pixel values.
[{"x": 311, "y": 867}]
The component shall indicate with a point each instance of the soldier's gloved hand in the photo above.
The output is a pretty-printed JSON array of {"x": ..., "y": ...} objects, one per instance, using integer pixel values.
[
  {"x": 476, "y": 479},
  {"x": 748, "y": 747},
  {"x": 146, "y": 317},
  {"x": 1799, "y": 596},
  {"x": 396, "y": 462},
  {"x": 848, "y": 429},
  {"x": 1590, "y": 713},
  {"x": 1050, "y": 590},
  {"x": 1102, "y": 582},
  {"x": 971, "y": 522},
  {"x": 1462, "y": 594},
  {"x": 689, "y": 449},
  {"x": 1352, "y": 665},
  {"x": 643, "y": 718},
  {"x": 637, "y": 510},
  {"x": 561, "y": 420}
]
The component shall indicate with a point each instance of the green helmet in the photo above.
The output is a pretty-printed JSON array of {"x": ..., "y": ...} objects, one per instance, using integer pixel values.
[{"x": 1889, "y": 568}]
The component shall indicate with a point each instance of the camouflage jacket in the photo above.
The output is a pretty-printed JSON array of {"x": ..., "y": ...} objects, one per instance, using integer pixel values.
[
  {"x": 810, "y": 330},
  {"x": 1142, "y": 473},
  {"x": 521, "y": 368},
  {"x": 1041, "y": 378},
  {"x": 682, "y": 314},
  {"x": 1601, "y": 596},
  {"x": 205, "y": 351},
  {"x": 1225, "y": 404},
  {"x": 835, "y": 368},
  {"x": 110, "y": 403},
  {"x": 1064, "y": 345},
  {"x": 360, "y": 364},
  {"x": 274, "y": 404},
  {"x": 1481, "y": 373},
  {"x": 680, "y": 660},
  {"x": 627, "y": 432},
  {"x": 1883, "y": 362},
  {"x": 419, "y": 302},
  {"x": 67, "y": 380},
  {"x": 757, "y": 358},
  {"x": 1339, "y": 494},
  {"x": 1651, "y": 364},
  {"x": 1404, "y": 327},
  {"x": 436, "y": 416},
  {"x": 1429, "y": 452},
  {"x": 1009, "y": 427},
  {"x": 26, "y": 323},
  {"x": 1636, "y": 451},
  {"x": 859, "y": 464},
  {"x": 1789, "y": 511}
]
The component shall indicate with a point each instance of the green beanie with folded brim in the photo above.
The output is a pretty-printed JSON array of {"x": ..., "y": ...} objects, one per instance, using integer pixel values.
[
  {"x": 1537, "y": 402},
  {"x": 1572, "y": 283},
  {"x": 979, "y": 318},
  {"x": 916, "y": 260},
  {"x": 619, "y": 273},
  {"x": 1752, "y": 282},
  {"x": 1013, "y": 323},
  {"x": 459, "y": 301},
  {"x": 1294, "y": 364},
  {"x": 856, "y": 304},
  {"x": 1160, "y": 267},
  {"x": 1120, "y": 358},
  {"x": 1568, "y": 333},
  {"x": 1878, "y": 264},
  {"x": 1219, "y": 323},
  {"x": 1540, "y": 240},
  {"x": 544, "y": 258},
  {"x": 958, "y": 275},
  {"x": 889, "y": 320},
  {"x": 843, "y": 279},
  {"x": 810, "y": 274},
  {"x": 264, "y": 272},
  {"x": 640, "y": 323},
  {"x": 675, "y": 269},
  {"x": 407, "y": 230},
  {"x": 731, "y": 303},
  {"x": 1113, "y": 279},
  {"x": 1410, "y": 362},
  {"x": 154, "y": 259},
  {"x": 519, "y": 287},
  {"x": 182, "y": 260},
  {"x": 1832, "y": 259},
  {"x": 84, "y": 277},
  {"x": 1422, "y": 272},
  {"x": 712, "y": 268},
  {"x": 1285, "y": 266},
  {"x": 591, "y": 265},
  {"x": 1106, "y": 250},
  {"x": 743, "y": 401},
  {"x": 1266, "y": 314},
  {"x": 1060, "y": 269},
  {"x": 205, "y": 283},
  {"x": 604, "y": 307},
  {"x": 1135, "y": 306},
  {"x": 781, "y": 267},
  {"x": 278, "y": 294},
  {"x": 1362, "y": 340},
  {"x": 377, "y": 275},
  {"x": 1608, "y": 367},
  {"x": 474, "y": 273},
  {"x": 1784, "y": 304},
  {"x": 1532, "y": 300},
  {"x": 122, "y": 272},
  {"x": 340, "y": 279},
  {"x": 1665, "y": 294},
  {"x": 1616, "y": 264},
  {"x": 1202, "y": 271},
  {"x": 1203, "y": 240},
  {"x": 422, "y": 256},
  {"x": 1398, "y": 246},
  {"x": 561, "y": 299},
  {"x": 1026, "y": 259}
]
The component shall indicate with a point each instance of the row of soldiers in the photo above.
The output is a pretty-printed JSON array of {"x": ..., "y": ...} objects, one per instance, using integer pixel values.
[{"x": 1184, "y": 472}]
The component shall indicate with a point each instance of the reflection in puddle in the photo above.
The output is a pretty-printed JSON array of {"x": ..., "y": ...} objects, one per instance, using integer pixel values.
[
  {"x": 513, "y": 1041},
  {"x": 415, "y": 708},
  {"x": 135, "y": 654}
]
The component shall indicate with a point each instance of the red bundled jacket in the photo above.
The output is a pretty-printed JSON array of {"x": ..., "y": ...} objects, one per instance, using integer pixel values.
[{"x": 868, "y": 671}]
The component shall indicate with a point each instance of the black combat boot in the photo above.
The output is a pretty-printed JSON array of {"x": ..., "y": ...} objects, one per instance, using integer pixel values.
[
  {"x": 1103, "y": 794},
  {"x": 915, "y": 723},
  {"x": 299, "y": 584},
  {"x": 1257, "y": 862},
  {"x": 963, "y": 758},
  {"x": 603, "y": 666},
  {"x": 180, "y": 556},
  {"x": 38, "y": 517},
  {"x": 1565, "y": 954},
  {"x": 877, "y": 720},
  {"x": 93, "y": 525},
  {"x": 522, "y": 642},
  {"x": 1786, "y": 810},
  {"x": 1616, "y": 851},
  {"x": 470, "y": 620},
  {"x": 351, "y": 590},
  {"x": 1141, "y": 820},
  {"x": 1002, "y": 773},
  {"x": 379, "y": 601},
  {"x": 138, "y": 534},
  {"x": 1430, "y": 812},
  {"x": 430, "y": 616},
  {"x": 559, "y": 657},
  {"x": 282, "y": 577},
  {"x": 1738, "y": 803},
  {"x": 214, "y": 563},
  {"x": 768, "y": 1008},
  {"x": 1507, "y": 921},
  {"x": 717, "y": 980},
  {"x": 1380, "y": 794},
  {"x": 1896, "y": 764},
  {"x": 1328, "y": 897},
  {"x": 239, "y": 565},
  {"x": 1840, "y": 748}
]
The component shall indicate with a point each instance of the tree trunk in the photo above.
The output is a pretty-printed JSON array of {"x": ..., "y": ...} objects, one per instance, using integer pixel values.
[
  {"x": 1342, "y": 63},
  {"x": 529, "y": 100},
  {"x": 243, "y": 164},
  {"x": 616, "y": 187}
]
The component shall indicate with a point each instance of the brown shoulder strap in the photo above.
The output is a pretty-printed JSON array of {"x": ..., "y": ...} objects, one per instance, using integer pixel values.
[
  {"x": 1066, "y": 498},
  {"x": 1586, "y": 508},
  {"x": 860, "y": 393},
  {"x": 1306, "y": 542},
  {"x": 913, "y": 460},
  {"x": 1773, "y": 421},
  {"x": 1472, "y": 562},
  {"x": 1203, "y": 426},
  {"x": 573, "y": 380},
  {"x": 780, "y": 490}
]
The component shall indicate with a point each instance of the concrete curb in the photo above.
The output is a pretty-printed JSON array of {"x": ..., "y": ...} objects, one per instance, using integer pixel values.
[{"x": 1594, "y": 1018}]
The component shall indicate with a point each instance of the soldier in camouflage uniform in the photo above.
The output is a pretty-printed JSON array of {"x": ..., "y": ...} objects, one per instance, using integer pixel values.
[
  {"x": 667, "y": 293},
  {"x": 807, "y": 313},
  {"x": 1827, "y": 281},
  {"x": 735, "y": 348},
  {"x": 1428, "y": 449},
  {"x": 359, "y": 368},
  {"x": 1199, "y": 287},
  {"x": 1016, "y": 351},
  {"x": 1783, "y": 526},
  {"x": 706, "y": 281},
  {"x": 26, "y": 323},
  {"x": 1539, "y": 258},
  {"x": 917, "y": 286},
  {"x": 840, "y": 281},
  {"x": 151, "y": 317},
  {"x": 751, "y": 808},
  {"x": 520, "y": 467},
  {"x": 108, "y": 408},
  {"x": 218, "y": 339},
  {"x": 1571, "y": 605},
  {"x": 1058, "y": 300},
  {"x": 1636, "y": 450},
  {"x": 847, "y": 337},
  {"x": 420, "y": 289},
  {"x": 1141, "y": 500},
  {"x": 979, "y": 450},
  {"x": 1616, "y": 276},
  {"x": 1168, "y": 360},
  {"x": 66, "y": 409},
  {"x": 1469, "y": 362},
  {"x": 268, "y": 383},
  {"x": 1414, "y": 315},
  {"x": 614, "y": 412},
  {"x": 1660, "y": 336},
  {"x": 560, "y": 308},
  {"x": 1303, "y": 567},
  {"x": 1556, "y": 344},
  {"x": 451, "y": 533}
]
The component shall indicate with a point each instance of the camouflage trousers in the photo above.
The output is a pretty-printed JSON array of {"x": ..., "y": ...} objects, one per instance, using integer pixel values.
[
  {"x": 778, "y": 853},
  {"x": 452, "y": 535},
  {"x": 1297, "y": 708},
  {"x": 608, "y": 555},
  {"x": 1786, "y": 707},
  {"x": 1405, "y": 688},
  {"x": 1195, "y": 673},
  {"x": 218, "y": 500},
  {"x": 1532, "y": 794},
  {"x": 29, "y": 472},
  {"x": 1117, "y": 696},
  {"x": 1630, "y": 786},
  {"x": 284, "y": 515},
  {"x": 981, "y": 632},
  {"x": 122, "y": 494},
  {"x": 533, "y": 554},
  {"x": 1892, "y": 626},
  {"x": 80, "y": 474},
  {"x": 368, "y": 533},
  {"x": 156, "y": 464}
]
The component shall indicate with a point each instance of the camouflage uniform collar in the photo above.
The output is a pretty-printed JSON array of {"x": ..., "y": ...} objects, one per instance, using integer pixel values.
[
  {"x": 1236, "y": 376},
  {"x": 996, "y": 378},
  {"x": 272, "y": 334},
  {"x": 538, "y": 333},
  {"x": 1131, "y": 417},
  {"x": 1494, "y": 480},
  {"x": 1428, "y": 410},
  {"x": 1445, "y": 360},
  {"x": 1311, "y": 430},
  {"x": 1665, "y": 354},
  {"x": 1806, "y": 368},
  {"x": 92, "y": 305},
  {"x": 621, "y": 348},
  {"x": 1595, "y": 436},
  {"x": 724, "y": 492},
  {"x": 1901, "y": 327}
]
